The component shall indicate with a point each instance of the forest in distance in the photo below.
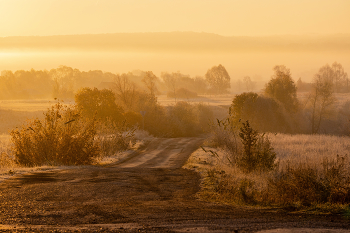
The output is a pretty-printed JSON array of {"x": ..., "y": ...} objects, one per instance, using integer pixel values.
[
  {"x": 252, "y": 148},
  {"x": 175, "y": 116},
  {"x": 191, "y": 53},
  {"x": 294, "y": 106}
]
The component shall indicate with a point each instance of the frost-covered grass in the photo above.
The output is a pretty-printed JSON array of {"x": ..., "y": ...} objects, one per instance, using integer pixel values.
[
  {"x": 312, "y": 173},
  {"x": 311, "y": 149}
]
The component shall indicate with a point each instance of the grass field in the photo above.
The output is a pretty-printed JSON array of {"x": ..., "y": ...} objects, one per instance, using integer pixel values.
[
  {"x": 221, "y": 100},
  {"x": 312, "y": 174}
]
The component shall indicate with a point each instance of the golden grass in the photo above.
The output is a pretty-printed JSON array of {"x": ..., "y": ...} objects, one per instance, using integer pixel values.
[
  {"x": 6, "y": 157},
  {"x": 309, "y": 148},
  {"x": 212, "y": 100},
  {"x": 304, "y": 161}
]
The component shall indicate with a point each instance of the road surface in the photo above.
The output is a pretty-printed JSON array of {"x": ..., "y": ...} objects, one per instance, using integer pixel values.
[{"x": 146, "y": 192}]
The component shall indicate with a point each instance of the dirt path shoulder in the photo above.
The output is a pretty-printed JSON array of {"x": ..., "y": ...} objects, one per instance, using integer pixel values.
[{"x": 147, "y": 192}]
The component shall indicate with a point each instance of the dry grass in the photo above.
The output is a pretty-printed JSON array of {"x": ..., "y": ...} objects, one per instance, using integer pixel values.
[
  {"x": 313, "y": 175},
  {"x": 309, "y": 148},
  {"x": 139, "y": 139},
  {"x": 212, "y": 100},
  {"x": 7, "y": 162}
]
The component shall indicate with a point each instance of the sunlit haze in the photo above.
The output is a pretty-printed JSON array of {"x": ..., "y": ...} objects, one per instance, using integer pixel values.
[
  {"x": 224, "y": 17},
  {"x": 283, "y": 31}
]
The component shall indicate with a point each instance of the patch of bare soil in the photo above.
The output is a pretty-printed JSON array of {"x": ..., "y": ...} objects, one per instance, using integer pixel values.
[{"x": 146, "y": 192}]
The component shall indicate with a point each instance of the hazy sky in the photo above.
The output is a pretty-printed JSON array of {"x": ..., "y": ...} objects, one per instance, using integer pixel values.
[{"x": 224, "y": 17}]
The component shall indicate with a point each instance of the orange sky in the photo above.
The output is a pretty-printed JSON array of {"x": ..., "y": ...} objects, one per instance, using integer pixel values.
[{"x": 224, "y": 17}]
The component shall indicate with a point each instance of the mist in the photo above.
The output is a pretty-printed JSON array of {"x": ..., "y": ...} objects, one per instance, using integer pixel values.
[{"x": 187, "y": 52}]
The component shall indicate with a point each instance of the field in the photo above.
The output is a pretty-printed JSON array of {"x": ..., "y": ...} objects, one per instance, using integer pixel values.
[
  {"x": 222, "y": 100},
  {"x": 148, "y": 179}
]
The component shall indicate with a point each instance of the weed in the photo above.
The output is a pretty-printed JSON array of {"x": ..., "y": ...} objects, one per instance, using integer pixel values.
[
  {"x": 114, "y": 138},
  {"x": 61, "y": 138}
]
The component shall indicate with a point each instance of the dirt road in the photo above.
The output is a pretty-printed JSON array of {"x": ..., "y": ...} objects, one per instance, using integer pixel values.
[{"x": 146, "y": 192}]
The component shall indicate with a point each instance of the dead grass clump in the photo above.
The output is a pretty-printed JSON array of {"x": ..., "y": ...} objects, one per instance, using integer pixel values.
[
  {"x": 250, "y": 150},
  {"x": 62, "y": 138},
  {"x": 304, "y": 183},
  {"x": 114, "y": 138},
  {"x": 309, "y": 174}
]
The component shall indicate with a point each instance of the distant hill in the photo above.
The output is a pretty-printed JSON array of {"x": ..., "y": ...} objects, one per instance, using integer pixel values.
[{"x": 179, "y": 42}]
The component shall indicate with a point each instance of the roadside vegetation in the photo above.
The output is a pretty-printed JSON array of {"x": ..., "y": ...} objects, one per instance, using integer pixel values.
[
  {"x": 258, "y": 157},
  {"x": 300, "y": 172},
  {"x": 275, "y": 148}
]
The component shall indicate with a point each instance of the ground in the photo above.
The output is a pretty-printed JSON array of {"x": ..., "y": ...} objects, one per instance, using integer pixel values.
[{"x": 148, "y": 191}]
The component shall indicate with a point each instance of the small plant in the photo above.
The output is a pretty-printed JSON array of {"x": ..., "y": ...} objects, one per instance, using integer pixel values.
[
  {"x": 257, "y": 151},
  {"x": 61, "y": 138}
]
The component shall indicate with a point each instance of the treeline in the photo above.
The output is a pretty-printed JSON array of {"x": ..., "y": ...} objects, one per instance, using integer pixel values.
[
  {"x": 278, "y": 109},
  {"x": 55, "y": 83},
  {"x": 64, "y": 82}
]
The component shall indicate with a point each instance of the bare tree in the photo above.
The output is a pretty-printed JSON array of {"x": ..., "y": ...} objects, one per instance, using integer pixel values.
[
  {"x": 125, "y": 90},
  {"x": 171, "y": 81},
  {"x": 63, "y": 82},
  {"x": 339, "y": 77},
  {"x": 150, "y": 81},
  {"x": 321, "y": 97}
]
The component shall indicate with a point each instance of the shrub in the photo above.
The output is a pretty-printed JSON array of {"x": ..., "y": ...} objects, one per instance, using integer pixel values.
[
  {"x": 253, "y": 153},
  {"x": 133, "y": 118},
  {"x": 204, "y": 117},
  {"x": 114, "y": 138},
  {"x": 264, "y": 114},
  {"x": 307, "y": 184},
  {"x": 307, "y": 175},
  {"x": 61, "y": 138},
  {"x": 182, "y": 119},
  {"x": 257, "y": 151},
  {"x": 187, "y": 120}
]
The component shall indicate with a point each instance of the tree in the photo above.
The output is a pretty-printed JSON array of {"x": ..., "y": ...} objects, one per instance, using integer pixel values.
[
  {"x": 249, "y": 84},
  {"x": 339, "y": 78},
  {"x": 282, "y": 88},
  {"x": 321, "y": 97},
  {"x": 125, "y": 90},
  {"x": 171, "y": 81},
  {"x": 99, "y": 103},
  {"x": 150, "y": 81},
  {"x": 264, "y": 113},
  {"x": 258, "y": 154},
  {"x": 218, "y": 79},
  {"x": 238, "y": 103},
  {"x": 63, "y": 86}
]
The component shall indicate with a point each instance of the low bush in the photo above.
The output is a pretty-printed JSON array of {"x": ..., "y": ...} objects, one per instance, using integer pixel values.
[
  {"x": 307, "y": 184},
  {"x": 114, "y": 138},
  {"x": 188, "y": 120},
  {"x": 264, "y": 114},
  {"x": 304, "y": 176},
  {"x": 257, "y": 151},
  {"x": 61, "y": 138},
  {"x": 253, "y": 152}
]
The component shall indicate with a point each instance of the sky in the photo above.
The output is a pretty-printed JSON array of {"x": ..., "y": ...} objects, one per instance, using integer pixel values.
[{"x": 223, "y": 17}]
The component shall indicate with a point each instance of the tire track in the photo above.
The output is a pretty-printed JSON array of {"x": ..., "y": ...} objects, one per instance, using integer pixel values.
[{"x": 163, "y": 153}]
